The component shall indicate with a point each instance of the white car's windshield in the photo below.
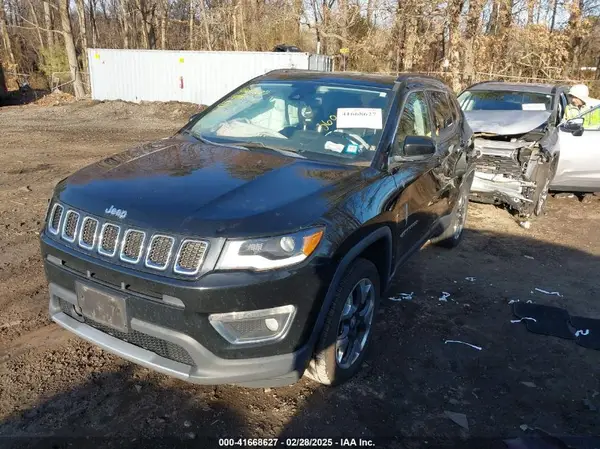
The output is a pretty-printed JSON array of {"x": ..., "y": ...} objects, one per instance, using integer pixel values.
[
  {"x": 501, "y": 100},
  {"x": 315, "y": 120}
]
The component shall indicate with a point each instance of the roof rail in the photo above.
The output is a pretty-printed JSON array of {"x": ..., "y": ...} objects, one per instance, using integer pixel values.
[{"x": 485, "y": 82}]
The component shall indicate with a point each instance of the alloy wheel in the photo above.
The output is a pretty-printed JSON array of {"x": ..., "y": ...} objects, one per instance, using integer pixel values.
[{"x": 355, "y": 323}]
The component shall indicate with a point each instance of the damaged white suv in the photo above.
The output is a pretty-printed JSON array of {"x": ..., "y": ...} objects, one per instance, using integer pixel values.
[{"x": 516, "y": 131}]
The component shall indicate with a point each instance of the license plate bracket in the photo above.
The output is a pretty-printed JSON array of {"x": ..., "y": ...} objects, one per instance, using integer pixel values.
[{"x": 102, "y": 307}]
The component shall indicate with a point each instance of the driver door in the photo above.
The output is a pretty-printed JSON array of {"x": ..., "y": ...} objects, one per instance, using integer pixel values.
[
  {"x": 414, "y": 206},
  {"x": 579, "y": 161}
]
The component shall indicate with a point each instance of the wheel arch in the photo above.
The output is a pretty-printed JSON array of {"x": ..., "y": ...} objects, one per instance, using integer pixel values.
[{"x": 367, "y": 247}]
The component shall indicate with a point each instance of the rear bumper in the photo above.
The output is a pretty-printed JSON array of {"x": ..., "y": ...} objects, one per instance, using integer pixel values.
[{"x": 206, "y": 368}]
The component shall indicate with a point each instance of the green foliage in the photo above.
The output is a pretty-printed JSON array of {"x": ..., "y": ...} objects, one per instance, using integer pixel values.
[{"x": 53, "y": 59}]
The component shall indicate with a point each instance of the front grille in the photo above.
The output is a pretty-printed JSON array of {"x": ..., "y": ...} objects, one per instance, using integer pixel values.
[
  {"x": 159, "y": 252},
  {"x": 132, "y": 245},
  {"x": 87, "y": 236},
  {"x": 108, "y": 239},
  {"x": 158, "y": 346},
  {"x": 191, "y": 254},
  {"x": 131, "y": 251},
  {"x": 492, "y": 164},
  {"x": 70, "y": 225},
  {"x": 55, "y": 216}
]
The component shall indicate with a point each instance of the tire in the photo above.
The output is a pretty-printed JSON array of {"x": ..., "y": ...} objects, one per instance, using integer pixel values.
[
  {"x": 453, "y": 235},
  {"x": 327, "y": 367}
]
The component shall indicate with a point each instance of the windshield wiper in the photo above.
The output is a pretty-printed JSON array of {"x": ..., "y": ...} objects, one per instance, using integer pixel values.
[
  {"x": 245, "y": 145},
  {"x": 198, "y": 137},
  {"x": 252, "y": 144}
]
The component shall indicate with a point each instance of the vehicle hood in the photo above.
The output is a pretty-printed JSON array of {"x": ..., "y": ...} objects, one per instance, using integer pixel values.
[
  {"x": 179, "y": 186},
  {"x": 505, "y": 122}
]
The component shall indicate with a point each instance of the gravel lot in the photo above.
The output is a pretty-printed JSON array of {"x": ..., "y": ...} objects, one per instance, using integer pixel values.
[{"x": 55, "y": 387}]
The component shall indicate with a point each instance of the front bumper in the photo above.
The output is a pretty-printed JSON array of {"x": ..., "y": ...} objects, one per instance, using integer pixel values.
[
  {"x": 496, "y": 189},
  {"x": 178, "y": 340},
  {"x": 206, "y": 368}
]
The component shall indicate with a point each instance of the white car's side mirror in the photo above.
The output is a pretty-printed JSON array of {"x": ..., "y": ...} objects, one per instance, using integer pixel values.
[{"x": 574, "y": 126}]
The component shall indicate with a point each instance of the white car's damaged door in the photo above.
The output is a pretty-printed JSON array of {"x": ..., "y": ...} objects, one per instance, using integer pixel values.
[{"x": 579, "y": 161}]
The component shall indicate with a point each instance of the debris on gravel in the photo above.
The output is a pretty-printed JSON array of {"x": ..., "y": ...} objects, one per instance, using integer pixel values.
[
  {"x": 458, "y": 418},
  {"x": 53, "y": 383},
  {"x": 55, "y": 98}
]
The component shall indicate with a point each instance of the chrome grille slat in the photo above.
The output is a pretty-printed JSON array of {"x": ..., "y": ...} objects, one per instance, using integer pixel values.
[
  {"x": 131, "y": 247},
  {"x": 55, "y": 217},
  {"x": 190, "y": 256},
  {"x": 87, "y": 235},
  {"x": 69, "y": 228},
  {"x": 159, "y": 251},
  {"x": 108, "y": 239}
]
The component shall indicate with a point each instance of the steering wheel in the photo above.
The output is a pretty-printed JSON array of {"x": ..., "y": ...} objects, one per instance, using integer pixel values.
[{"x": 354, "y": 138}]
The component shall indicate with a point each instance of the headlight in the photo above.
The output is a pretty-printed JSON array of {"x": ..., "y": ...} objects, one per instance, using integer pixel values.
[{"x": 269, "y": 253}]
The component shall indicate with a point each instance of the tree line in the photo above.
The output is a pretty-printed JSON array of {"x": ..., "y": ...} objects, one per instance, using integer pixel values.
[{"x": 462, "y": 41}]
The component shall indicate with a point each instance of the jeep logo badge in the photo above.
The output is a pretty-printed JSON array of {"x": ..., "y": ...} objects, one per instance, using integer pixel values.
[{"x": 119, "y": 213}]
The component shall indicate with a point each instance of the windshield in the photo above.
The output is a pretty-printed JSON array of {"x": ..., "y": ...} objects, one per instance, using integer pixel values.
[
  {"x": 331, "y": 122},
  {"x": 500, "y": 100}
]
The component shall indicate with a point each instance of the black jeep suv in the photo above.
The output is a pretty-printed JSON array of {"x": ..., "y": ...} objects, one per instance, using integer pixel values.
[{"x": 256, "y": 242}]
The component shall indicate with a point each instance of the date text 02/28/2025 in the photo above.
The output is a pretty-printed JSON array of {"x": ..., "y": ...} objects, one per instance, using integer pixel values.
[{"x": 295, "y": 442}]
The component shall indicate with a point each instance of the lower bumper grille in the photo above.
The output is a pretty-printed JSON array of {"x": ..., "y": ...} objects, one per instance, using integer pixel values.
[{"x": 160, "y": 347}]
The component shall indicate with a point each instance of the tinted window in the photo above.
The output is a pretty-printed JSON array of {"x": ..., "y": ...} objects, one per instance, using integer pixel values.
[
  {"x": 443, "y": 111},
  {"x": 500, "y": 100},
  {"x": 414, "y": 120}
]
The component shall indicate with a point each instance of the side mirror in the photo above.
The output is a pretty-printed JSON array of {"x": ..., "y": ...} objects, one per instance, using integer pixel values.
[
  {"x": 574, "y": 126},
  {"x": 193, "y": 116},
  {"x": 418, "y": 147}
]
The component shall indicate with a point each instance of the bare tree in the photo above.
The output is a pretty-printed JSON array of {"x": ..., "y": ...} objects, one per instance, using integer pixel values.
[
  {"x": 35, "y": 22},
  {"x": 93, "y": 26},
  {"x": 164, "y": 23},
  {"x": 454, "y": 37},
  {"x": 575, "y": 29},
  {"x": 5, "y": 36},
  {"x": 82, "y": 31},
  {"x": 125, "y": 17},
  {"x": 471, "y": 32},
  {"x": 67, "y": 32},
  {"x": 554, "y": 11},
  {"x": 392, "y": 35},
  {"x": 48, "y": 24},
  {"x": 147, "y": 11},
  {"x": 191, "y": 24},
  {"x": 205, "y": 23},
  {"x": 530, "y": 11},
  {"x": 411, "y": 27}
]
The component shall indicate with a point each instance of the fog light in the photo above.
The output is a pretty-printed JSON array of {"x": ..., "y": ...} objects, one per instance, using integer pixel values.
[
  {"x": 272, "y": 324},
  {"x": 256, "y": 326}
]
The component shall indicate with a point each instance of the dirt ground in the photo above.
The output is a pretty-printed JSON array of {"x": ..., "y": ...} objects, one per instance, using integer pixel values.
[{"x": 55, "y": 387}]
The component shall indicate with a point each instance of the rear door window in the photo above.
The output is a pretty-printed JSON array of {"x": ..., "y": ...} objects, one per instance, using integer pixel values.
[{"x": 444, "y": 113}]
